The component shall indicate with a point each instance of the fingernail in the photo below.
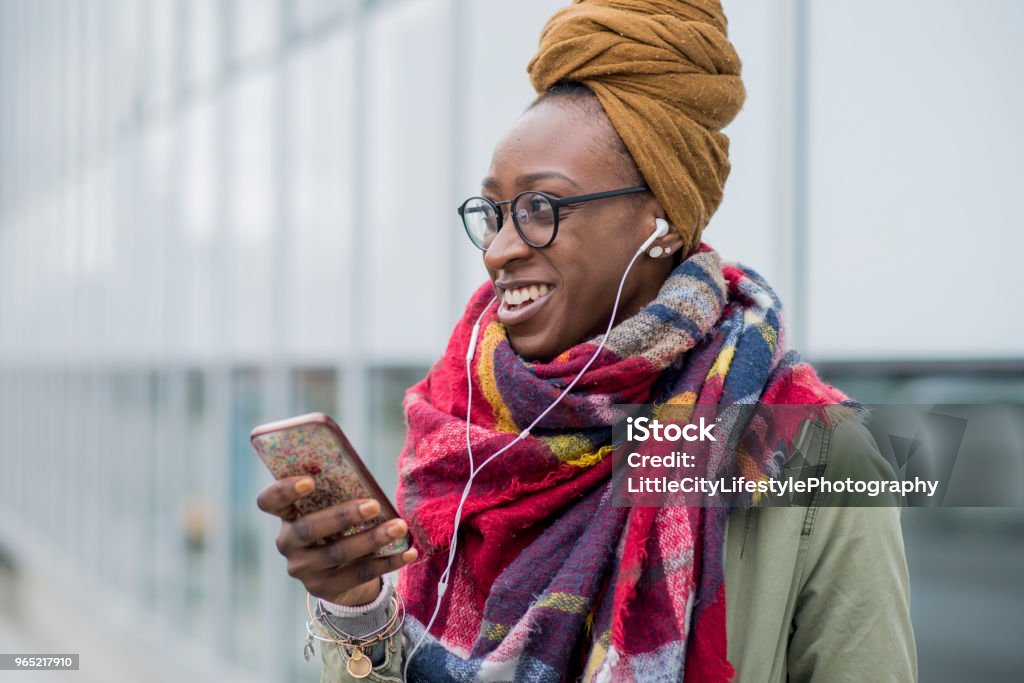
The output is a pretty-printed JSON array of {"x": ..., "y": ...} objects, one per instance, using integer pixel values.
[
  {"x": 397, "y": 528},
  {"x": 304, "y": 485},
  {"x": 369, "y": 509},
  {"x": 410, "y": 555}
]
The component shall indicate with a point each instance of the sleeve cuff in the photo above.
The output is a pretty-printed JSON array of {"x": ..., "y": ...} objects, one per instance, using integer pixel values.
[{"x": 360, "y": 620}]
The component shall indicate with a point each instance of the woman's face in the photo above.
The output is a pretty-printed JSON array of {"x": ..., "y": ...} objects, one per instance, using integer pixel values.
[{"x": 555, "y": 149}]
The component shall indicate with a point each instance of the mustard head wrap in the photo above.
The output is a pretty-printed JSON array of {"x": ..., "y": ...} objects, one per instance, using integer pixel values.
[{"x": 669, "y": 81}]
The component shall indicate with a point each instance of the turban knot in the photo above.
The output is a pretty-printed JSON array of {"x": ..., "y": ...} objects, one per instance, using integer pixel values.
[{"x": 669, "y": 80}]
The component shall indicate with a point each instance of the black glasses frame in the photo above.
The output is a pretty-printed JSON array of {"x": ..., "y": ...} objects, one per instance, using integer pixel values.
[{"x": 556, "y": 204}]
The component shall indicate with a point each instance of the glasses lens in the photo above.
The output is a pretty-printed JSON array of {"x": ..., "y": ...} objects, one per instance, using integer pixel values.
[
  {"x": 535, "y": 217},
  {"x": 481, "y": 221}
]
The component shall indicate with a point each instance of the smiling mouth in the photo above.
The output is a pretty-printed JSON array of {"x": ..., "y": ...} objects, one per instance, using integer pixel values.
[{"x": 520, "y": 297}]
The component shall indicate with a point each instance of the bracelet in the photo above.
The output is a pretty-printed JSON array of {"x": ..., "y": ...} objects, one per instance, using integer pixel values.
[
  {"x": 359, "y": 665},
  {"x": 322, "y": 614}
]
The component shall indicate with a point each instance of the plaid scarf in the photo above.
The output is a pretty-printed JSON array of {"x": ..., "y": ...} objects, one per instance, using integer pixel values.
[{"x": 552, "y": 581}]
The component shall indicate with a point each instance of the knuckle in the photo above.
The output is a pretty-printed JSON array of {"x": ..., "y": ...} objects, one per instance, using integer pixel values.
[
  {"x": 273, "y": 498},
  {"x": 281, "y": 541},
  {"x": 315, "y": 586},
  {"x": 265, "y": 500},
  {"x": 381, "y": 536},
  {"x": 303, "y": 530},
  {"x": 336, "y": 552},
  {"x": 365, "y": 572},
  {"x": 345, "y": 517}
]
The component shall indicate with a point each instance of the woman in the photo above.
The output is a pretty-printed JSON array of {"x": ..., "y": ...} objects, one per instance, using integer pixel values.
[{"x": 550, "y": 580}]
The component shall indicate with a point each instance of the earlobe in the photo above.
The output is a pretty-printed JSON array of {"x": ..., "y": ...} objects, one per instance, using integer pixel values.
[{"x": 659, "y": 251}]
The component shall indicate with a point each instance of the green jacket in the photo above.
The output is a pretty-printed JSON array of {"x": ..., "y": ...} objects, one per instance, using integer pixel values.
[{"x": 813, "y": 593}]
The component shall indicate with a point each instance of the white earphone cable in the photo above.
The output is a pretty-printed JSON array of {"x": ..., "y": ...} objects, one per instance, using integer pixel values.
[{"x": 442, "y": 586}]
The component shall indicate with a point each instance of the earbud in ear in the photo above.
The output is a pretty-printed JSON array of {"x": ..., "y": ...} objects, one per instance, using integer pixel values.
[{"x": 660, "y": 227}]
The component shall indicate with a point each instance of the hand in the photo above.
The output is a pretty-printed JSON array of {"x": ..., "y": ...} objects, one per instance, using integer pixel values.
[{"x": 344, "y": 571}]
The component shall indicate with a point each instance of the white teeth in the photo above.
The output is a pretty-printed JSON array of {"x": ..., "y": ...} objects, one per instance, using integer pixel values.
[{"x": 514, "y": 297}]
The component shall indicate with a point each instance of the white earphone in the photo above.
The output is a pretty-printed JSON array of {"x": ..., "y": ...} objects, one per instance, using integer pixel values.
[{"x": 661, "y": 228}]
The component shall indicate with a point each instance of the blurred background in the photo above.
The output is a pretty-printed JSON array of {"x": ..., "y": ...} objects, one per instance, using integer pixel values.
[{"x": 215, "y": 213}]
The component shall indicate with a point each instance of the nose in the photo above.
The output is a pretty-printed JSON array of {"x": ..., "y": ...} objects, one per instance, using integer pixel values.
[{"x": 507, "y": 246}]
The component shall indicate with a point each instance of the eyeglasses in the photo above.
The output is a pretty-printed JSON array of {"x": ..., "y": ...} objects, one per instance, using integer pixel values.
[{"x": 535, "y": 215}]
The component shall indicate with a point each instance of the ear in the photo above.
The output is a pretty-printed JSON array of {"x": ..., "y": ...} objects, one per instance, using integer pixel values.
[
  {"x": 652, "y": 209},
  {"x": 673, "y": 240}
]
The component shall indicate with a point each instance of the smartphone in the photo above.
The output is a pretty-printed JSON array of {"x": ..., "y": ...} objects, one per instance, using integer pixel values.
[{"x": 314, "y": 445}]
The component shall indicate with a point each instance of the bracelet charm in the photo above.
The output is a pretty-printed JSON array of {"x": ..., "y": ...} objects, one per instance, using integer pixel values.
[
  {"x": 359, "y": 665},
  {"x": 308, "y": 651}
]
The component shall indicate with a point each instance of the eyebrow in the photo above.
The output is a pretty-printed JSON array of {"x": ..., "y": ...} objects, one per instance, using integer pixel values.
[{"x": 491, "y": 183}]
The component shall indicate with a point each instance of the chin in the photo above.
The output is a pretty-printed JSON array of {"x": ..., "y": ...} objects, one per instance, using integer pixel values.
[{"x": 532, "y": 349}]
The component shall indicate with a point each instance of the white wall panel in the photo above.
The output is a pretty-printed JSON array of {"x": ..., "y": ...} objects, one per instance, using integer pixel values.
[
  {"x": 251, "y": 275},
  {"x": 915, "y": 171},
  {"x": 321, "y": 217},
  {"x": 755, "y": 223},
  {"x": 407, "y": 176}
]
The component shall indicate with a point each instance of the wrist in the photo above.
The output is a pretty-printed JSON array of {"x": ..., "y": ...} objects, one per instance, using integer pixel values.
[{"x": 358, "y": 598}]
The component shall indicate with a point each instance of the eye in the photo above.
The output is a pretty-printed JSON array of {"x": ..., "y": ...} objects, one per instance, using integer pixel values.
[
  {"x": 537, "y": 203},
  {"x": 540, "y": 210}
]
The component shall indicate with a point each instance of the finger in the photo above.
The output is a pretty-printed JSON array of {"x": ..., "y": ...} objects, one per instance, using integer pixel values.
[
  {"x": 318, "y": 525},
  {"x": 300, "y": 564},
  {"x": 281, "y": 495},
  {"x": 331, "y": 586},
  {"x": 289, "y": 514},
  {"x": 348, "y": 549}
]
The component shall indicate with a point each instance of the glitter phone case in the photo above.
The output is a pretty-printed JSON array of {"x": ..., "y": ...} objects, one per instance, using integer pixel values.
[{"x": 314, "y": 445}]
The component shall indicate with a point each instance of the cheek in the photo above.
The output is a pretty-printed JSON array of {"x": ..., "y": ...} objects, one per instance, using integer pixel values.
[
  {"x": 590, "y": 283},
  {"x": 595, "y": 261}
]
